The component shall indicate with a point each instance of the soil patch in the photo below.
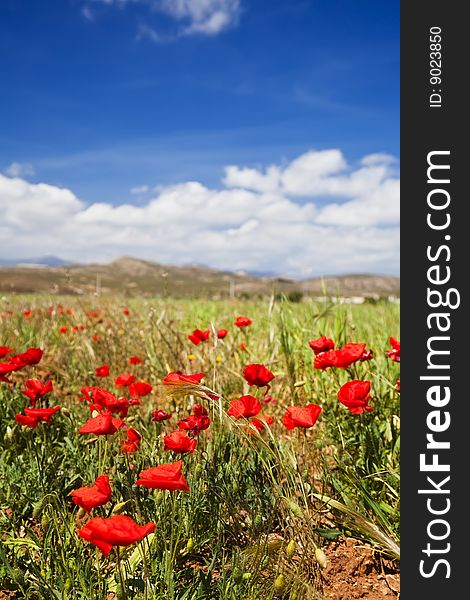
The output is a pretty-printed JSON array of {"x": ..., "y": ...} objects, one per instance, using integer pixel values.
[{"x": 355, "y": 570}]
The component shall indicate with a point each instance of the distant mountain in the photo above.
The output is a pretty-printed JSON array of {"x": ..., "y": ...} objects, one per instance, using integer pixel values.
[
  {"x": 51, "y": 261},
  {"x": 133, "y": 277}
]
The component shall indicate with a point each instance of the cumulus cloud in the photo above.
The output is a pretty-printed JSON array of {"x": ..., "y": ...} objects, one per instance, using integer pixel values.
[{"x": 315, "y": 215}]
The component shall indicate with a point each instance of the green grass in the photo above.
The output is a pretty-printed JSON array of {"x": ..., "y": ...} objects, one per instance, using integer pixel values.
[{"x": 260, "y": 506}]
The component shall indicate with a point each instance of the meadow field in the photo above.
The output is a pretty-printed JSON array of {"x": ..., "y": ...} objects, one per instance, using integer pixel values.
[{"x": 181, "y": 452}]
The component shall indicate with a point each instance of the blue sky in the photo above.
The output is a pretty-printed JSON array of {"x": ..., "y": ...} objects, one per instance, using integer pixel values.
[{"x": 116, "y": 100}]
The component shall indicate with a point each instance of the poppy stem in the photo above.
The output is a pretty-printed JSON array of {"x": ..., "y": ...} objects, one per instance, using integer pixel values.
[{"x": 121, "y": 578}]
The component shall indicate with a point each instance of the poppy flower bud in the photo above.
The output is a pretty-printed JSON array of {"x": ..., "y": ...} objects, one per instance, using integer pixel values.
[
  {"x": 279, "y": 582},
  {"x": 197, "y": 471},
  {"x": 119, "y": 507},
  {"x": 265, "y": 562},
  {"x": 320, "y": 557},
  {"x": 65, "y": 411},
  {"x": 246, "y": 576},
  {"x": 45, "y": 522},
  {"x": 290, "y": 549},
  {"x": 237, "y": 575},
  {"x": 294, "y": 508},
  {"x": 190, "y": 545}
]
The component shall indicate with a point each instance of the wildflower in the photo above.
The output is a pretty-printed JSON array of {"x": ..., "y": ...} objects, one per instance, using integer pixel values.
[
  {"x": 394, "y": 352},
  {"x": 124, "y": 380},
  {"x": 118, "y": 530},
  {"x": 139, "y": 388},
  {"x": 221, "y": 333},
  {"x": 397, "y": 385},
  {"x": 4, "y": 350},
  {"x": 179, "y": 383},
  {"x": 366, "y": 355},
  {"x": 355, "y": 396},
  {"x": 33, "y": 416},
  {"x": 35, "y": 389},
  {"x": 63, "y": 329},
  {"x": 132, "y": 444},
  {"x": 164, "y": 477},
  {"x": 103, "y": 424},
  {"x": 102, "y": 371},
  {"x": 245, "y": 406},
  {"x": 322, "y": 344},
  {"x": 103, "y": 400},
  {"x": 126, "y": 311},
  {"x": 160, "y": 415},
  {"x": 301, "y": 416},
  {"x": 96, "y": 495},
  {"x": 196, "y": 422},
  {"x": 179, "y": 441},
  {"x": 260, "y": 424},
  {"x": 342, "y": 358},
  {"x": 135, "y": 360},
  {"x": 198, "y": 336},
  {"x": 243, "y": 321},
  {"x": 32, "y": 356},
  {"x": 258, "y": 374}
]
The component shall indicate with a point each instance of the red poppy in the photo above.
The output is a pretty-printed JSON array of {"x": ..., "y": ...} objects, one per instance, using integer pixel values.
[
  {"x": 179, "y": 441},
  {"x": 177, "y": 378},
  {"x": 198, "y": 336},
  {"x": 355, "y": 396},
  {"x": 301, "y": 416},
  {"x": 135, "y": 360},
  {"x": 36, "y": 389},
  {"x": 260, "y": 425},
  {"x": 397, "y": 385},
  {"x": 98, "y": 494},
  {"x": 322, "y": 344},
  {"x": 342, "y": 358},
  {"x": 243, "y": 347},
  {"x": 63, "y": 329},
  {"x": 119, "y": 530},
  {"x": 139, "y": 388},
  {"x": 245, "y": 406},
  {"x": 160, "y": 415},
  {"x": 31, "y": 357},
  {"x": 102, "y": 399},
  {"x": 197, "y": 421},
  {"x": 27, "y": 313},
  {"x": 367, "y": 355},
  {"x": 4, "y": 350},
  {"x": 103, "y": 424},
  {"x": 394, "y": 352},
  {"x": 164, "y": 477},
  {"x": 102, "y": 371},
  {"x": 124, "y": 380},
  {"x": 33, "y": 416},
  {"x": 132, "y": 444},
  {"x": 126, "y": 311},
  {"x": 243, "y": 321},
  {"x": 177, "y": 383},
  {"x": 221, "y": 333},
  {"x": 257, "y": 374}
]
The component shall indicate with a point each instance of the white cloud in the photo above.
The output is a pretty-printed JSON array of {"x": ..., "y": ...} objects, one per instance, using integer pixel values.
[
  {"x": 255, "y": 221},
  {"x": 207, "y": 17},
  {"x": 16, "y": 169}
]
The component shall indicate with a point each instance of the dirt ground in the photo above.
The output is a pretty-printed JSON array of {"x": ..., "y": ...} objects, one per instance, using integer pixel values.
[{"x": 355, "y": 570}]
